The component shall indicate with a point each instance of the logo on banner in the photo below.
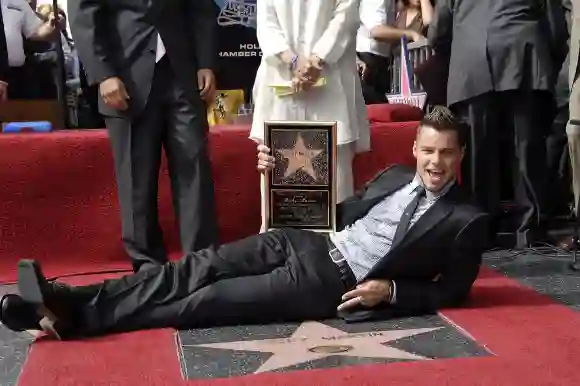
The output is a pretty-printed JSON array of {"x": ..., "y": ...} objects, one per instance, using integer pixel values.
[
  {"x": 237, "y": 12},
  {"x": 406, "y": 95}
]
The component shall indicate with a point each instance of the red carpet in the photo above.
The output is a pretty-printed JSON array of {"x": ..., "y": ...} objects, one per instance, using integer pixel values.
[
  {"x": 58, "y": 200},
  {"x": 58, "y": 204},
  {"x": 534, "y": 341}
]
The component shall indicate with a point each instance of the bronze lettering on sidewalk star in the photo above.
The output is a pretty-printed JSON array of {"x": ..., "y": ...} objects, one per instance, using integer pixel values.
[{"x": 301, "y": 189}]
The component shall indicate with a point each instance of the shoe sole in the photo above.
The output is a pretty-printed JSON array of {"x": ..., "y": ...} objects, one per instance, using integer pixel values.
[{"x": 30, "y": 283}]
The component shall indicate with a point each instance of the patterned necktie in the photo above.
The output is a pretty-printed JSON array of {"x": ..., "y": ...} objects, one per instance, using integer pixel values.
[{"x": 408, "y": 215}]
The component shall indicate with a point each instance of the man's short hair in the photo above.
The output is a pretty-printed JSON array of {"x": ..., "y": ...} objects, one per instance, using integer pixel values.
[{"x": 441, "y": 118}]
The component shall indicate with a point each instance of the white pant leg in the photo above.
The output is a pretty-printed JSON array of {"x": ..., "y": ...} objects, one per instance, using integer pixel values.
[
  {"x": 263, "y": 202},
  {"x": 344, "y": 175}
]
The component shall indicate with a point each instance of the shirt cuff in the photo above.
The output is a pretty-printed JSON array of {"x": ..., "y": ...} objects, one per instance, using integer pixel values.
[{"x": 393, "y": 299}]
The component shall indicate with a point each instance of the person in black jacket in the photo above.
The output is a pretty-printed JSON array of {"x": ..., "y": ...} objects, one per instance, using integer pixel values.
[
  {"x": 504, "y": 58},
  {"x": 153, "y": 62}
]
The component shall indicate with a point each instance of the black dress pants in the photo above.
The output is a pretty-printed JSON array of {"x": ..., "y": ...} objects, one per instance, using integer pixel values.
[
  {"x": 523, "y": 117},
  {"x": 171, "y": 122},
  {"x": 281, "y": 275},
  {"x": 19, "y": 85},
  {"x": 376, "y": 82},
  {"x": 559, "y": 194}
]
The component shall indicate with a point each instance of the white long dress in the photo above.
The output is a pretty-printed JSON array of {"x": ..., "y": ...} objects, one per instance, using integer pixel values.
[{"x": 326, "y": 28}]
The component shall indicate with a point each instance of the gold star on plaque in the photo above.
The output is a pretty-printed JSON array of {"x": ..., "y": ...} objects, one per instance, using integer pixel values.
[{"x": 300, "y": 157}]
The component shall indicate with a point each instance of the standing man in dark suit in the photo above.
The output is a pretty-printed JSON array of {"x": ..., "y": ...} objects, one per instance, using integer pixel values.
[
  {"x": 573, "y": 126},
  {"x": 153, "y": 61},
  {"x": 408, "y": 243},
  {"x": 504, "y": 59},
  {"x": 558, "y": 195},
  {"x": 4, "y": 67}
]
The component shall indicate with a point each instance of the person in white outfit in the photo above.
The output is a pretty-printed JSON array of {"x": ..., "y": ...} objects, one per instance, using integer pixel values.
[{"x": 301, "y": 41}]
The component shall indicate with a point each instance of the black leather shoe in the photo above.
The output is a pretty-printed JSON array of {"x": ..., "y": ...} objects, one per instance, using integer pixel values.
[
  {"x": 50, "y": 300},
  {"x": 18, "y": 315}
]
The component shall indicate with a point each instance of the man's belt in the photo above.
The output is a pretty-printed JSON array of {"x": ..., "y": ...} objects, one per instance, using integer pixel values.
[{"x": 346, "y": 274}]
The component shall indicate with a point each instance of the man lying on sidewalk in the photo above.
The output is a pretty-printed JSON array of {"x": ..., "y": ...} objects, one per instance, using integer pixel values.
[{"x": 407, "y": 243}]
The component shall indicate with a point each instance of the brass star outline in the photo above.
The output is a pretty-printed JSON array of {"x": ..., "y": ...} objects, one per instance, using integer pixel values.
[{"x": 310, "y": 340}]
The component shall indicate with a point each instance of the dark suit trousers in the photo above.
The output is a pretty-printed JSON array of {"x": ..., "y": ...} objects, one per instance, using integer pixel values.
[
  {"x": 169, "y": 121},
  {"x": 282, "y": 275},
  {"x": 523, "y": 118},
  {"x": 559, "y": 195},
  {"x": 19, "y": 85},
  {"x": 377, "y": 80}
]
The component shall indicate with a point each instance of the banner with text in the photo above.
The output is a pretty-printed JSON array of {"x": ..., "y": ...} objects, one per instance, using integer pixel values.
[{"x": 239, "y": 52}]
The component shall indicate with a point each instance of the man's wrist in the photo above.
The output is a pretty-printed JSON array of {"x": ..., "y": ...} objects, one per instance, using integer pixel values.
[
  {"x": 390, "y": 296},
  {"x": 293, "y": 62},
  {"x": 286, "y": 57},
  {"x": 4, "y": 83}
]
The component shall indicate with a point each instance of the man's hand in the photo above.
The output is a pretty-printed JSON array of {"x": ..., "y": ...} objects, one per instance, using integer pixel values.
[
  {"x": 47, "y": 29},
  {"x": 206, "y": 84},
  {"x": 265, "y": 160},
  {"x": 3, "y": 91},
  {"x": 368, "y": 294},
  {"x": 114, "y": 93}
]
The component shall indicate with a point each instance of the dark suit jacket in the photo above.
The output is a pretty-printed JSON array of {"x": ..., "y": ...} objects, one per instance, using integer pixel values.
[
  {"x": 3, "y": 51},
  {"x": 436, "y": 263},
  {"x": 499, "y": 45},
  {"x": 119, "y": 38}
]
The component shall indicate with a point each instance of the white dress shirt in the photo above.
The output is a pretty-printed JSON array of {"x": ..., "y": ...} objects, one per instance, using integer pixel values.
[
  {"x": 19, "y": 19},
  {"x": 160, "y": 51},
  {"x": 372, "y": 13}
]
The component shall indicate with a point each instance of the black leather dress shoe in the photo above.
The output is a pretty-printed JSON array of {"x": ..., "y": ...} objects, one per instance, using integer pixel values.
[
  {"x": 18, "y": 315},
  {"x": 51, "y": 300}
]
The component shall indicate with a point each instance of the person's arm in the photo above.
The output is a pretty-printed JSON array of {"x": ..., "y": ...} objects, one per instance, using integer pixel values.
[
  {"x": 89, "y": 30},
  {"x": 389, "y": 34},
  {"x": 339, "y": 32},
  {"x": 271, "y": 37},
  {"x": 454, "y": 282},
  {"x": 372, "y": 13},
  {"x": 440, "y": 32},
  {"x": 557, "y": 31},
  {"x": 4, "y": 66},
  {"x": 205, "y": 31},
  {"x": 426, "y": 12},
  {"x": 32, "y": 26}
]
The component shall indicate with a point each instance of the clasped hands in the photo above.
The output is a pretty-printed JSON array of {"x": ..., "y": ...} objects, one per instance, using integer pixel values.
[
  {"x": 306, "y": 73},
  {"x": 367, "y": 294}
]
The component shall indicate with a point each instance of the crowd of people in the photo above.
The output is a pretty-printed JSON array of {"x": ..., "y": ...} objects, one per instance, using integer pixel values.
[
  {"x": 411, "y": 241},
  {"x": 31, "y": 61}
]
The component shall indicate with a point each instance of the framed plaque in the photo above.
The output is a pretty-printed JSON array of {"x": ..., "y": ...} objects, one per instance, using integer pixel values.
[{"x": 301, "y": 189}]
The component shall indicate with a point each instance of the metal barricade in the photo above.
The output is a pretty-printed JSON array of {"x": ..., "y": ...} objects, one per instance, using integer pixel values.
[{"x": 419, "y": 52}]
